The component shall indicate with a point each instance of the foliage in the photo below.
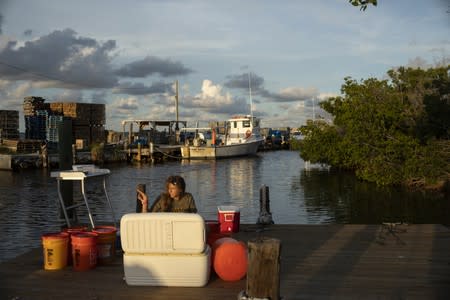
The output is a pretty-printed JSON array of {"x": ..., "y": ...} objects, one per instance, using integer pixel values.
[
  {"x": 5, "y": 150},
  {"x": 389, "y": 131},
  {"x": 97, "y": 152},
  {"x": 363, "y": 3}
]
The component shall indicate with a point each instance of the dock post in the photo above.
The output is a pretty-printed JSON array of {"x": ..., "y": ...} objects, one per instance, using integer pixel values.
[
  {"x": 74, "y": 154},
  {"x": 151, "y": 151},
  {"x": 65, "y": 162},
  {"x": 265, "y": 216},
  {"x": 44, "y": 154},
  {"x": 263, "y": 272},
  {"x": 142, "y": 188},
  {"x": 139, "y": 157}
]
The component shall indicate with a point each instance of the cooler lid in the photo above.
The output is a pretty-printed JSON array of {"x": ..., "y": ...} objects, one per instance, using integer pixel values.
[
  {"x": 162, "y": 233},
  {"x": 228, "y": 208}
]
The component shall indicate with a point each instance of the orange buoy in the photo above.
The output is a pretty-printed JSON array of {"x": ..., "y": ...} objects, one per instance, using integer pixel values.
[{"x": 230, "y": 259}]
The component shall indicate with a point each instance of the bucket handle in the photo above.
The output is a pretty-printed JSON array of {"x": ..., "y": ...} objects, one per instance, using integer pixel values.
[{"x": 228, "y": 217}]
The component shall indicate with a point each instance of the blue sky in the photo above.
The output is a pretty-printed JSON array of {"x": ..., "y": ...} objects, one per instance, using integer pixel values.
[{"x": 128, "y": 54}]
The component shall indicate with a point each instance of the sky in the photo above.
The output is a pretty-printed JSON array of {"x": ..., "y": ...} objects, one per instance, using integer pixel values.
[{"x": 275, "y": 59}]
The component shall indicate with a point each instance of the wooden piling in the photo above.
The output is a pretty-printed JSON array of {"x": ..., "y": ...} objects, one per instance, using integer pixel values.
[
  {"x": 265, "y": 216},
  {"x": 139, "y": 154},
  {"x": 65, "y": 162},
  {"x": 263, "y": 273}
]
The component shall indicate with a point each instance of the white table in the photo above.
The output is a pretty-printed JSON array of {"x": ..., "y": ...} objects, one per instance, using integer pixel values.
[{"x": 82, "y": 177}]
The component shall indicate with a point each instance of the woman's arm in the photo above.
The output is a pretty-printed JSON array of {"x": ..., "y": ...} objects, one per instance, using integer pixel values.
[{"x": 144, "y": 200}]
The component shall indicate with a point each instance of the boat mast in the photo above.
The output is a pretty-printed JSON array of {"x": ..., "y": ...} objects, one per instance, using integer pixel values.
[{"x": 251, "y": 101}]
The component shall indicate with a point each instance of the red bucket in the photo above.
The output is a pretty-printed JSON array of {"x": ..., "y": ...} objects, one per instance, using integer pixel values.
[
  {"x": 84, "y": 250},
  {"x": 106, "y": 243},
  {"x": 70, "y": 231}
]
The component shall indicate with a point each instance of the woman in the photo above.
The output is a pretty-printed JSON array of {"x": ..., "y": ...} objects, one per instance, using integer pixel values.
[{"x": 174, "y": 199}]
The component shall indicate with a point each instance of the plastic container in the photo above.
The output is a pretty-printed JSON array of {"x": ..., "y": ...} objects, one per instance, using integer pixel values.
[
  {"x": 161, "y": 269},
  {"x": 162, "y": 233},
  {"x": 70, "y": 231},
  {"x": 84, "y": 251},
  {"x": 55, "y": 248},
  {"x": 229, "y": 218},
  {"x": 106, "y": 243}
]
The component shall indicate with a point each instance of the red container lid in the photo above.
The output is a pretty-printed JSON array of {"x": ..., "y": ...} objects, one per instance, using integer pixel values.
[
  {"x": 104, "y": 229},
  {"x": 83, "y": 235}
]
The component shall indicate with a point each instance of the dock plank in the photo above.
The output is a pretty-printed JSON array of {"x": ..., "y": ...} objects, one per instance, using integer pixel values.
[{"x": 317, "y": 262}]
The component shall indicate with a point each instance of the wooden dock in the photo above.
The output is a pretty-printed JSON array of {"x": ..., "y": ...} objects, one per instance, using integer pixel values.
[{"x": 317, "y": 262}]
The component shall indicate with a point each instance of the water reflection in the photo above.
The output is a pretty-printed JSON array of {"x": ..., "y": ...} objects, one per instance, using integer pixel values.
[
  {"x": 29, "y": 207},
  {"x": 348, "y": 200}
]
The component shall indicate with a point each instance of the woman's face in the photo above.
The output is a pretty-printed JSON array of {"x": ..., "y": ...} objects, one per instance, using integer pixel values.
[{"x": 174, "y": 191}]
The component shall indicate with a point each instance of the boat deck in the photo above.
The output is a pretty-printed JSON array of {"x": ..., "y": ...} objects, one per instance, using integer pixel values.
[{"x": 317, "y": 262}]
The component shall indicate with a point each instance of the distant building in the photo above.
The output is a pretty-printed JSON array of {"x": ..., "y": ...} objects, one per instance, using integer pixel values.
[{"x": 9, "y": 124}]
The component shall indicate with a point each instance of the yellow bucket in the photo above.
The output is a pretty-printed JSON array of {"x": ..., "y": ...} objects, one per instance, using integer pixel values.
[{"x": 55, "y": 249}]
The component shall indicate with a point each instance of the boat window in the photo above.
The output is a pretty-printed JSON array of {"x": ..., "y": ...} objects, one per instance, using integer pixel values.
[
  {"x": 235, "y": 124},
  {"x": 246, "y": 123}
]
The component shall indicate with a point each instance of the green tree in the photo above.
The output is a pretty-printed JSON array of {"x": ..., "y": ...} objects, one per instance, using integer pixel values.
[
  {"x": 363, "y": 3},
  {"x": 389, "y": 131}
]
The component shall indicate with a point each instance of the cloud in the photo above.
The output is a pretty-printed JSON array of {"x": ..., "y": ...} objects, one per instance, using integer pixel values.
[
  {"x": 131, "y": 88},
  {"x": 151, "y": 65},
  {"x": 62, "y": 59},
  {"x": 292, "y": 94},
  {"x": 127, "y": 104},
  {"x": 242, "y": 81},
  {"x": 68, "y": 96},
  {"x": 28, "y": 32},
  {"x": 2, "y": 7},
  {"x": 214, "y": 100}
]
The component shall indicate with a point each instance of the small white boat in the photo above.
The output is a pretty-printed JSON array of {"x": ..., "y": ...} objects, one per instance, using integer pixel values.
[{"x": 241, "y": 137}]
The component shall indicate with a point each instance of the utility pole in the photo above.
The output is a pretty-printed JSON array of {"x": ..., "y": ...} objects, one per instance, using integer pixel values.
[{"x": 177, "y": 128}]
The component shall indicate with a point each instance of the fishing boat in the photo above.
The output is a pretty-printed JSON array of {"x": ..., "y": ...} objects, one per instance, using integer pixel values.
[{"x": 241, "y": 136}]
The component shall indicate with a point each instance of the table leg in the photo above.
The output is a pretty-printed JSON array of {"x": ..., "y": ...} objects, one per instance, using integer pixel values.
[
  {"x": 87, "y": 205},
  {"x": 109, "y": 202},
  {"x": 61, "y": 201}
]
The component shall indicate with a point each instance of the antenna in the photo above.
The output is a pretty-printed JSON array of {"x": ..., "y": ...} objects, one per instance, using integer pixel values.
[
  {"x": 250, "y": 94},
  {"x": 314, "y": 109},
  {"x": 176, "y": 103}
]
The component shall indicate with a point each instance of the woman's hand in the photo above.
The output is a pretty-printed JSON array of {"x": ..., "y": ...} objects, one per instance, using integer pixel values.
[{"x": 144, "y": 200}]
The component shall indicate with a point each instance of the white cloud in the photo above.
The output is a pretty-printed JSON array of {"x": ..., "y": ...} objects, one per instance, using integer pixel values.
[{"x": 212, "y": 95}]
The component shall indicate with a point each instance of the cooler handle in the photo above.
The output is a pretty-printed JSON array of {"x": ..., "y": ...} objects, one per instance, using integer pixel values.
[{"x": 228, "y": 217}]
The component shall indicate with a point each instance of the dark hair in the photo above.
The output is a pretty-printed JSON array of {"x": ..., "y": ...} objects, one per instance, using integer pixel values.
[{"x": 176, "y": 180}]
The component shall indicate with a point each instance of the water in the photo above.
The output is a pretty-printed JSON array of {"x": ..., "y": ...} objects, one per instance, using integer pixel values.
[{"x": 29, "y": 208}]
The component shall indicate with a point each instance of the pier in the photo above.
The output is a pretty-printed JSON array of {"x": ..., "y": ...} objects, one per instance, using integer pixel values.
[{"x": 386, "y": 261}]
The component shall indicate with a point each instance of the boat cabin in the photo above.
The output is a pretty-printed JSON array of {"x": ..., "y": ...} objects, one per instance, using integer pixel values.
[{"x": 241, "y": 128}]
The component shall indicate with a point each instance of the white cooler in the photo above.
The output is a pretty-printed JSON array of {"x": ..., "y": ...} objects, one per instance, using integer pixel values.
[
  {"x": 168, "y": 269},
  {"x": 165, "y": 249}
]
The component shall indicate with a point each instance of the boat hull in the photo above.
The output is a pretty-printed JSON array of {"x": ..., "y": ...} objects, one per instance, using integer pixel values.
[{"x": 223, "y": 151}]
